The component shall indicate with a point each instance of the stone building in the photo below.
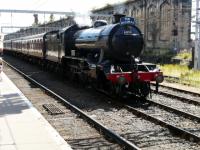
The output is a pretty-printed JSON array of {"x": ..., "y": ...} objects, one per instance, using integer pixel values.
[{"x": 166, "y": 24}]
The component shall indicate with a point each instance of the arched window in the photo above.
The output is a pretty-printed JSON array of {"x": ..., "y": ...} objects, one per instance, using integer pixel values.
[
  {"x": 40, "y": 43},
  {"x": 165, "y": 21},
  {"x": 125, "y": 12},
  {"x": 28, "y": 45},
  {"x": 151, "y": 22},
  {"x": 129, "y": 11},
  {"x": 31, "y": 44},
  {"x": 34, "y": 47},
  {"x": 137, "y": 13},
  {"x": 133, "y": 12}
]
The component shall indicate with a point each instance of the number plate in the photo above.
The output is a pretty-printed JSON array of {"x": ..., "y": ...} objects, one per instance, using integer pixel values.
[{"x": 127, "y": 20}]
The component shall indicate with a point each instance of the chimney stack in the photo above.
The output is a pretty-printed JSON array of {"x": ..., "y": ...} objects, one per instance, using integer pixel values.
[{"x": 117, "y": 17}]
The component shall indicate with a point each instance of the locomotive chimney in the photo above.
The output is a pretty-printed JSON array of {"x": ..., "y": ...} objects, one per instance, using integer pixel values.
[{"x": 117, "y": 17}]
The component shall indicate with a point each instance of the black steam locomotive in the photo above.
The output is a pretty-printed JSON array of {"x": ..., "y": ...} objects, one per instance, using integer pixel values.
[{"x": 103, "y": 55}]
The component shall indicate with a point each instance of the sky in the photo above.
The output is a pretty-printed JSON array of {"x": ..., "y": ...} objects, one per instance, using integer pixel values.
[
  {"x": 56, "y": 5},
  {"x": 82, "y": 6}
]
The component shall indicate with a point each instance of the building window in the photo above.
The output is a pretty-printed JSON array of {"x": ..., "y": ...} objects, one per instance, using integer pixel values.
[
  {"x": 165, "y": 21},
  {"x": 151, "y": 22},
  {"x": 125, "y": 12},
  {"x": 134, "y": 11}
]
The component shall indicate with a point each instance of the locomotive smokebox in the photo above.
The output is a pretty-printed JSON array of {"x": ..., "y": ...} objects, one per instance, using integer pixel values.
[{"x": 117, "y": 17}]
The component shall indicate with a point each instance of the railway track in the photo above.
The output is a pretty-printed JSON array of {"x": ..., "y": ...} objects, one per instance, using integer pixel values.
[
  {"x": 186, "y": 101},
  {"x": 134, "y": 129},
  {"x": 177, "y": 107},
  {"x": 181, "y": 123},
  {"x": 183, "y": 95}
]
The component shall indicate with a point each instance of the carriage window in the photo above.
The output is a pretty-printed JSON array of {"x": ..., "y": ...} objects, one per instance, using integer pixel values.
[
  {"x": 40, "y": 44},
  {"x": 34, "y": 44}
]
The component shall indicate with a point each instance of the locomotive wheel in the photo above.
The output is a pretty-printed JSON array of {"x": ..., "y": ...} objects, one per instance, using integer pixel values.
[
  {"x": 112, "y": 89},
  {"x": 144, "y": 89},
  {"x": 83, "y": 79},
  {"x": 75, "y": 79},
  {"x": 117, "y": 90}
]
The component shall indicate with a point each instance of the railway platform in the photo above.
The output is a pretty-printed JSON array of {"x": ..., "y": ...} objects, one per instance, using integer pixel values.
[{"x": 22, "y": 127}]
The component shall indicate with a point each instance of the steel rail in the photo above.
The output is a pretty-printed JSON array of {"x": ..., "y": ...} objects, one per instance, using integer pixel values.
[
  {"x": 183, "y": 99},
  {"x": 178, "y": 131},
  {"x": 179, "y": 90},
  {"x": 100, "y": 127},
  {"x": 167, "y": 108}
]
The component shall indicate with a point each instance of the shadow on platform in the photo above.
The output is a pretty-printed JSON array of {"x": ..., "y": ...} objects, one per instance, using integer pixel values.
[{"x": 12, "y": 104}]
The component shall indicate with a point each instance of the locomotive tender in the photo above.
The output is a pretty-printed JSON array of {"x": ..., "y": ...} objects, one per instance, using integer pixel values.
[{"x": 103, "y": 55}]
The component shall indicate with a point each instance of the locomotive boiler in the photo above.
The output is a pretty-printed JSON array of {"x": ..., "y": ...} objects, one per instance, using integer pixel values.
[{"x": 116, "y": 41}]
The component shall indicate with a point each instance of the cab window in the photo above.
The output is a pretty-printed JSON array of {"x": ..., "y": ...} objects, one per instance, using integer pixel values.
[
  {"x": 142, "y": 68},
  {"x": 151, "y": 67}
]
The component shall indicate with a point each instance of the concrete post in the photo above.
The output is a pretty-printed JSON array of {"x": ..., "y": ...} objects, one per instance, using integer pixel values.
[{"x": 197, "y": 38}]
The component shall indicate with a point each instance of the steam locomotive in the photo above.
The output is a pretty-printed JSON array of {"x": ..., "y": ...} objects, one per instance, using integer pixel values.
[{"x": 104, "y": 55}]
